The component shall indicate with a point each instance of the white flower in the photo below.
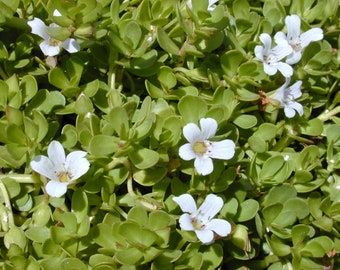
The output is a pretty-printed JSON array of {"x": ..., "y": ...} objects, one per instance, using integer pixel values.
[
  {"x": 61, "y": 170},
  {"x": 271, "y": 57},
  {"x": 211, "y": 2},
  {"x": 295, "y": 40},
  {"x": 287, "y": 95},
  {"x": 49, "y": 45},
  {"x": 201, "y": 149},
  {"x": 201, "y": 221}
]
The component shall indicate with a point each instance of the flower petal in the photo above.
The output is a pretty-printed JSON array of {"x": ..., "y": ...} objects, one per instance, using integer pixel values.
[
  {"x": 293, "y": 23},
  {"x": 209, "y": 208},
  {"x": 289, "y": 112},
  {"x": 259, "y": 52},
  {"x": 205, "y": 236},
  {"x": 49, "y": 50},
  {"x": 293, "y": 58},
  {"x": 313, "y": 34},
  {"x": 56, "y": 154},
  {"x": 76, "y": 164},
  {"x": 208, "y": 127},
  {"x": 295, "y": 89},
  {"x": 43, "y": 166},
  {"x": 186, "y": 152},
  {"x": 38, "y": 28},
  {"x": 203, "y": 165},
  {"x": 192, "y": 133},
  {"x": 222, "y": 150},
  {"x": 297, "y": 107},
  {"x": 270, "y": 70},
  {"x": 186, "y": 223},
  {"x": 282, "y": 50},
  {"x": 219, "y": 226},
  {"x": 285, "y": 69},
  {"x": 186, "y": 202},
  {"x": 71, "y": 45},
  {"x": 56, "y": 188},
  {"x": 280, "y": 38},
  {"x": 267, "y": 42}
]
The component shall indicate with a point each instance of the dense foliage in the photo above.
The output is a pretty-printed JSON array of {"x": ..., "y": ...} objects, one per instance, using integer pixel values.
[{"x": 124, "y": 80}]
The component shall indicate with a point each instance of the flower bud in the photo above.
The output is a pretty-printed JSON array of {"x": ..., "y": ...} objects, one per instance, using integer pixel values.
[{"x": 240, "y": 238}]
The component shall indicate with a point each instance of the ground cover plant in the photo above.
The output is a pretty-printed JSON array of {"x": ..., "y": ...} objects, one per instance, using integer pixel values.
[{"x": 152, "y": 134}]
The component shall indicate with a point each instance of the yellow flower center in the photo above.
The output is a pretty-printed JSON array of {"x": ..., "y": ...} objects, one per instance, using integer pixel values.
[
  {"x": 53, "y": 42},
  {"x": 197, "y": 224},
  {"x": 200, "y": 148},
  {"x": 64, "y": 177}
]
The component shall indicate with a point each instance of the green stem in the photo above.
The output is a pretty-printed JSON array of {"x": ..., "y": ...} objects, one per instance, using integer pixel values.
[
  {"x": 249, "y": 109},
  {"x": 3, "y": 74},
  {"x": 329, "y": 114},
  {"x": 282, "y": 143},
  {"x": 120, "y": 211},
  {"x": 130, "y": 188},
  {"x": 21, "y": 178},
  {"x": 7, "y": 201}
]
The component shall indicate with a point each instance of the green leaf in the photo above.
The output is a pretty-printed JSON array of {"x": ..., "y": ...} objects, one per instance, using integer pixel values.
[
  {"x": 314, "y": 127},
  {"x": 248, "y": 210},
  {"x": 38, "y": 234},
  {"x": 192, "y": 108},
  {"x": 318, "y": 247},
  {"x": 15, "y": 236},
  {"x": 143, "y": 158},
  {"x": 230, "y": 61},
  {"x": 245, "y": 121},
  {"x": 136, "y": 235},
  {"x": 166, "y": 42},
  {"x": 275, "y": 170},
  {"x": 29, "y": 88},
  {"x": 301, "y": 233},
  {"x": 167, "y": 78},
  {"x": 103, "y": 145},
  {"x": 58, "y": 78},
  {"x": 150, "y": 177},
  {"x": 73, "y": 263},
  {"x": 79, "y": 204}
]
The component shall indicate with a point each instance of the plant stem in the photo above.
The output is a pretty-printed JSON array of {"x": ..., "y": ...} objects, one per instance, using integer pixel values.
[
  {"x": 329, "y": 114},
  {"x": 7, "y": 201},
  {"x": 21, "y": 178}
]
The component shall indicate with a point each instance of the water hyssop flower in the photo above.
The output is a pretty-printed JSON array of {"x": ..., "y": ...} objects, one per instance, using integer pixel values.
[
  {"x": 295, "y": 40},
  {"x": 201, "y": 220},
  {"x": 271, "y": 57},
  {"x": 201, "y": 149},
  {"x": 287, "y": 95},
  {"x": 50, "y": 46},
  {"x": 60, "y": 169}
]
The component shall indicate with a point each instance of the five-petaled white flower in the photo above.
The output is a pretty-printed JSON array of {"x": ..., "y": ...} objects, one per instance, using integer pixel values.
[
  {"x": 295, "y": 40},
  {"x": 287, "y": 95},
  {"x": 201, "y": 149},
  {"x": 210, "y": 8},
  {"x": 50, "y": 46},
  {"x": 201, "y": 220},
  {"x": 271, "y": 57},
  {"x": 61, "y": 170}
]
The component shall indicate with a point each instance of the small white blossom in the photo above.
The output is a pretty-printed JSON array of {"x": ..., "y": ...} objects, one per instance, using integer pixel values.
[
  {"x": 287, "y": 95},
  {"x": 201, "y": 149},
  {"x": 210, "y": 8},
  {"x": 271, "y": 57},
  {"x": 295, "y": 40},
  {"x": 50, "y": 46},
  {"x": 60, "y": 169},
  {"x": 201, "y": 220}
]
